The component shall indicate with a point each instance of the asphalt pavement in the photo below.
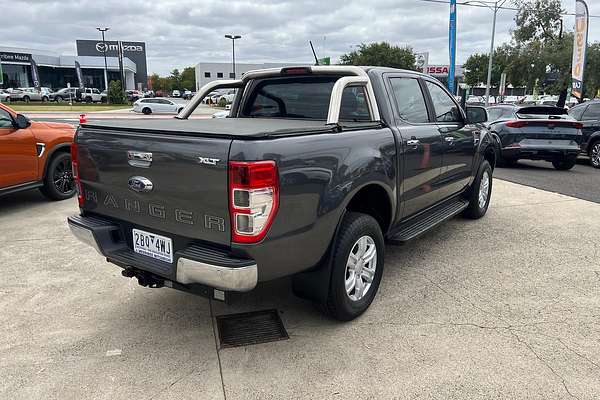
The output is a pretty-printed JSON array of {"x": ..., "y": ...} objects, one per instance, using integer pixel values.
[
  {"x": 505, "y": 307},
  {"x": 583, "y": 181}
]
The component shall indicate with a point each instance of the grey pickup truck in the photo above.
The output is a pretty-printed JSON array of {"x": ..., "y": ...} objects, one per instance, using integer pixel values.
[{"x": 314, "y": 170}]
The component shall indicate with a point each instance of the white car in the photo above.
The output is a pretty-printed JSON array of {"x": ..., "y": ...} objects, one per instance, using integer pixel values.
[
  {"x": 158, "y": 105},
  {"x": 176, "y": 93},
  {"x": 4, "y": 96}
]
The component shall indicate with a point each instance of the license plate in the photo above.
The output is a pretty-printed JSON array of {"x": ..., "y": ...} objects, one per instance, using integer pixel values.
[{"x": 153, "y": 245}]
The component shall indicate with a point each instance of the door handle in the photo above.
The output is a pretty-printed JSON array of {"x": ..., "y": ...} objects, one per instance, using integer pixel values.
[{"x": 412, "y": 142}]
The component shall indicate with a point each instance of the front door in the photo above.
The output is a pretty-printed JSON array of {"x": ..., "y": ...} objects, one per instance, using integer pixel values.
[
  {"x": 458, "y": 138},
  {"x": 18, "y": 153},
  {"x": 419, "y": 146},
  {"x": 591, "y": 122}
]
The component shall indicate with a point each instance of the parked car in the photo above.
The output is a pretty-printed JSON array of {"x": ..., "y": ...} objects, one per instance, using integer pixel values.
[
  {"x": 308, "y": 179},
  {"x": 35, "y": 155},
  {"x": 589, "y": 115},
  {"x": 133, "y": 95},
  {"x": 91, "y": 95},
  {"x": 175, "y": 93},
  {"x": 29, "y": 94},
  {"x": 4, "y": 96},
  {"x": 64, "y": 94},
  {"x": 535, "y": 132},
  {"x": 187, "y": 94},
  {"x": 157, "y": 105},
  {"x": 149, "y": 93}
]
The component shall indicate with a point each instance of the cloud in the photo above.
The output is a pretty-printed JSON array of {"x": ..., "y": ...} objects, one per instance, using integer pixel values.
[{"x": 181, "y": 33}]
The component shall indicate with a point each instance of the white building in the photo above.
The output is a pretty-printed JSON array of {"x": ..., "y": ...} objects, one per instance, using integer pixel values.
[{"x": 209, "y": 71}]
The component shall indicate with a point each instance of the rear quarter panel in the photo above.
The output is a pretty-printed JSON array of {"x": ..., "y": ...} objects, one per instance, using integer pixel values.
[{"x": 318, "y": 175}]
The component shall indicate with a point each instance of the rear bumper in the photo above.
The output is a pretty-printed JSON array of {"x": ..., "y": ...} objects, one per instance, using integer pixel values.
[
  {"x": 540, "y": 152},
  {"x": 195, "y": 264}
]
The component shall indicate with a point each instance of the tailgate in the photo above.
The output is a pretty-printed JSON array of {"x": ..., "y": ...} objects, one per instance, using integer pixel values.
[
  {"x": 188, "y": 176},
  {"x": 551, "y": 129}
]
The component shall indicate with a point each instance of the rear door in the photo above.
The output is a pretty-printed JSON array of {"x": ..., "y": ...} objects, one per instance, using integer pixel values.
[
  {"x": 188, "y": 192},
  {"x": 419, "y": 144},
  {"x": 457, "y": 137},
  {"x": 18, "y": 153}
]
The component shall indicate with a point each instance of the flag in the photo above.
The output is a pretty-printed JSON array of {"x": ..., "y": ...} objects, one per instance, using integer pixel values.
[
  {"x": 79, "y": 76},
  {"x": 35, "y": 75},
  {"x": 579, "y": 47},
  {"x": 452, "y": 46}
]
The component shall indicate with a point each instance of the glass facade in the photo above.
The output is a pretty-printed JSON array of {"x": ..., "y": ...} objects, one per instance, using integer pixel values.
[{"x": 16, "y": 76}]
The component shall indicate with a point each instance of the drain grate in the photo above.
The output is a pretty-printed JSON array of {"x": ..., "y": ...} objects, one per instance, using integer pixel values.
[{"x": 250, "y": 328}]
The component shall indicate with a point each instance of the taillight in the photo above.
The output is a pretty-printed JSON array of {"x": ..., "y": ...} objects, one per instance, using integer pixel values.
[
  {"x": 516, "y": 124},
  {"x": 75, "y": 167},
  {"x": 253, "y": 199},
  {"x": 578, "y": 125}
]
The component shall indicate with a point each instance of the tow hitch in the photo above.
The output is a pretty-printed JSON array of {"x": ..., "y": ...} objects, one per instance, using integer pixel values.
[{"x": 144, "y": 279}]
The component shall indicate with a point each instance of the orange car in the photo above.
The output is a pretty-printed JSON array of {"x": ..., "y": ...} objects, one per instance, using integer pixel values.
[{"x": 35, "y": 155}]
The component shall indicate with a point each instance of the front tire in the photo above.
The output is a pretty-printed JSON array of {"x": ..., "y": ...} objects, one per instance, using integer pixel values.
[
  {"x": 59, "y": 183},
  {"x": 594, "y": 154},
  {"x": 26, "y": 99},
  {"x": 147, "y": 111},
  {"x": 357, "y": 267},
  {"x": 564, "y": 164},
  {"x": 480, "y": 193}
]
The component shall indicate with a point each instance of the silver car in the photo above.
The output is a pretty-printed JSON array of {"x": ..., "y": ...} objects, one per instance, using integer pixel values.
[
  {"x": 158, "y": 105},
  {"x": 30, "y": 94}
]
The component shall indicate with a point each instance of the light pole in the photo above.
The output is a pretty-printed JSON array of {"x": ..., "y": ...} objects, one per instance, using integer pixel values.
[
  {"x": 497, "y": 5},
  {"x": 105, "y": 47},
  {"x": 233, "y": 38}
]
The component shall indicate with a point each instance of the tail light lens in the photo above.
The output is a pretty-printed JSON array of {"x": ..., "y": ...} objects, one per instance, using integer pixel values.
[
  {"x": 75, "y": 167},
  {"x": 253, "y": 199},
  {"x": 516, "y": 124}
]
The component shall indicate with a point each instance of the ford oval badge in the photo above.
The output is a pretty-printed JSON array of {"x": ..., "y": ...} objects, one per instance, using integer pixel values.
[{"x": 140, "y": 184}]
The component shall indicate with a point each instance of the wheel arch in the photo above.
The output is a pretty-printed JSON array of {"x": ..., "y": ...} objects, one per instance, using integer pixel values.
[
  {"x": 375, "y": 200},
  {"x": 59, "y": 148}
]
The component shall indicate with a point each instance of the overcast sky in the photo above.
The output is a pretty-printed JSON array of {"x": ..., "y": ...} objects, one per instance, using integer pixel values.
[{"x": 181, "y": 33}]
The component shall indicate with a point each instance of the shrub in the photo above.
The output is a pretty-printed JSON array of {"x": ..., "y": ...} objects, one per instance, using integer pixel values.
[{"x": 115, "y": 94}]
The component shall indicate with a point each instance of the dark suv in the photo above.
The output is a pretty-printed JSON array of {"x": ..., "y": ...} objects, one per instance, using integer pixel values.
[{"x": 589, "y": 115}]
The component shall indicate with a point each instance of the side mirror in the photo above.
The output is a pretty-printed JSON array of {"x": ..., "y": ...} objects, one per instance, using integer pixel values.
[
  {"x": 22, "y": 122},
  {"x": 476, "y": 115}
]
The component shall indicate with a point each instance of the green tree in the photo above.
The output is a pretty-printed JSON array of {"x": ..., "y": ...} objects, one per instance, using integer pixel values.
[
  {"x": 175, "y": 78},
  {"x": 115, "y": 94},
  {"x": 592, "y": 71},
  {"x": 154, "y": 81},
  {"x": 381, "y": 54},
  {"x": 188, "y": 78},
  {"x": 537, "y": 20}
]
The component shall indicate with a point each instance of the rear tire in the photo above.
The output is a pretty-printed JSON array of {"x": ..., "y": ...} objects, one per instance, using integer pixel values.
[
  {"x": 26, "y": 99},
  {"x": 147, "y": 111},
  {"x": 594, "y": 154},
  {"x": 88, "y": 100},
  {"x": 480, "y": 192},
  {"x": 354, "y": 279},
  {"x": 59, "y": 183},
  {"x": 564, "y": 164},
  {"x": 45, "y": 99}
]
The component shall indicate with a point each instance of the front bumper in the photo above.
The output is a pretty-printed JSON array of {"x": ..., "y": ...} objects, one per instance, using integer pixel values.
[{"x": 195, "y": 264}]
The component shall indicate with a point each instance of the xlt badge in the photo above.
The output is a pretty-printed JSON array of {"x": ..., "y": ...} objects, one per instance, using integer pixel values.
[{"x": 208, "y": 160}]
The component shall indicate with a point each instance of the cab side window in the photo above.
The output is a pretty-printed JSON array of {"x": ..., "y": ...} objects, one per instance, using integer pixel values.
[
  {"x": 5, "y": 119},
  {"x": 446, "y": 110},
  {"x": 409, "y": 100}
]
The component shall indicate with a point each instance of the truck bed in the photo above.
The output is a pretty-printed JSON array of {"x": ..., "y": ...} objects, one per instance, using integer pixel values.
[{"x": 246, "y": 128}]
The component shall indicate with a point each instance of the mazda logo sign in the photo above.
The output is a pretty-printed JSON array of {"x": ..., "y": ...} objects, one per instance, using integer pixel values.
[{"x": 101, "y": 47}]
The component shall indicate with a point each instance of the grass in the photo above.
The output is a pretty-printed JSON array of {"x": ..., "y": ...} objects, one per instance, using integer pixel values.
[{"x": 76, "y": 107}]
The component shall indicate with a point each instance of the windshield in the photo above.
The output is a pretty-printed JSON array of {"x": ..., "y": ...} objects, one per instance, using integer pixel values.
[{"x": 304, "y": 97}]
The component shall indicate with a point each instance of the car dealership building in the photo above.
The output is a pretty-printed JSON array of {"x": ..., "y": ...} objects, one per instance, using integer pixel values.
[{"x": 56, "y": 71}]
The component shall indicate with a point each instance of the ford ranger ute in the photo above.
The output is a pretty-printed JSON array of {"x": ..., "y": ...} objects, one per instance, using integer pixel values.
[{"x": 312, "y": 172}]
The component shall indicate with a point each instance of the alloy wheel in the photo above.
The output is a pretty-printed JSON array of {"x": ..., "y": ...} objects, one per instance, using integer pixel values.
[
  {"x": 595, "y": 155},
  {"x": 484, "y": 189},
  {"x": 360, "y": 268},
  {"x": 63, "y": 177}
]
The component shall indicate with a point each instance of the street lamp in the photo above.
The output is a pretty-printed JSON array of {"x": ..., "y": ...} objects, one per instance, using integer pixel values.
[
  {"x": 496, "y": 6},
  {"x": 105, "y": 47},
  {"x": 233, "y": 38}
]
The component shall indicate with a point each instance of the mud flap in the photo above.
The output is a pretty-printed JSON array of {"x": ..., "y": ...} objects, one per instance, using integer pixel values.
[{"x": 314, "y": 284}]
